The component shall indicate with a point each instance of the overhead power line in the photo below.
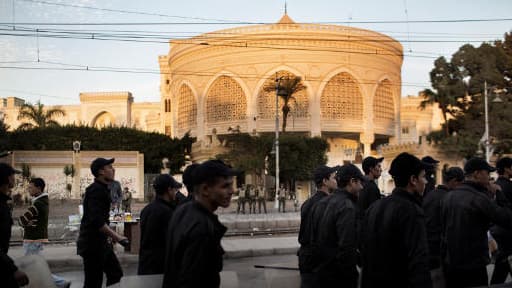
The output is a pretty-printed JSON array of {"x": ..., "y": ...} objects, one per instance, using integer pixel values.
[
  {"x": 181, "y": 73},
  {"x": 250, "y": 23},
  {"x": 125, "y": 11}
]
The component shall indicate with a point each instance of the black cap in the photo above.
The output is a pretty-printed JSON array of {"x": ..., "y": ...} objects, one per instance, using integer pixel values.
[
  {"x": 370, "y": 162},
  {"x": 429, "y": 160},
  {"x": 505, "y": 162},
  {"x": 7, "y": 170},
  {"x": 98, "y": 164},
  {"x": 164, "y": 181},
  {"x": 211, "y": 169},
  {"x": 406, "y": 165},
  {"x": 476, "y": 164},
  {"x": 322, "y": 172},
  {"x": 453, "y": 173},
  {"x": 347, "y": 172}
]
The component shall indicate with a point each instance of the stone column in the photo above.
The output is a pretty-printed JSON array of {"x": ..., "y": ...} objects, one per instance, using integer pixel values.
[{"x": 366, "y": 139}]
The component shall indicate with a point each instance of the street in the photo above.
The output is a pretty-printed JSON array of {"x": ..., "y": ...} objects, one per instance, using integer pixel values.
[{"x": 246, "y": 275}]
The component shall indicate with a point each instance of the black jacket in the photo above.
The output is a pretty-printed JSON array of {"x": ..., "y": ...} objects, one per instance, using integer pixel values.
[
  {"x": 368, "y": 195},
  {"x": 466, "y": 215},
  {"x": 502, "y": 235},
  {"x": 305, "y": 232},
  {"x": 337, "y": 241},
  {"x": 96, "y": 207},
  {"x": 154, "y": 221},
  {"x": 193, "y": 252},
  {"x": 7, "y": 267},
  {"x": 36, "y": 224},
  {"x": 395, "y": 252},
  {"x": 432, "y": 209}
]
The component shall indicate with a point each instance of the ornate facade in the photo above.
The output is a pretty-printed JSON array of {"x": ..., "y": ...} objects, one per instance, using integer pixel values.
[{"x": 215, "y": 82}]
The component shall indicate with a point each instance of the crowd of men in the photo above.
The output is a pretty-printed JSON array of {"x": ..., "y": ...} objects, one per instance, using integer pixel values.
[
  {"x": 419, "y": 236},
  {"x": 350, "y": 236}
]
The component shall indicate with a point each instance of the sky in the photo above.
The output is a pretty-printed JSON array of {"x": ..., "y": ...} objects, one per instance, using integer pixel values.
[{"x": 56, "y": 70}]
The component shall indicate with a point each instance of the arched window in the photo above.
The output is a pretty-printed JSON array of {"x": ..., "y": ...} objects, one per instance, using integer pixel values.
[
  {"x": 187, "y": 108},
  {"x": 341, "y": 98},
  {"x": 267, "y": 100},
  {"x": 225, "y": 101},
  {"x": 383, "y": 108}
]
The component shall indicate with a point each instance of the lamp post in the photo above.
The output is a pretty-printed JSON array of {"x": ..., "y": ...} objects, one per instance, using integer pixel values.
[
  {"x": 486, "y": 133},
  {"x": 487, "y": 143},
  {"x": 276, "y": 203}
]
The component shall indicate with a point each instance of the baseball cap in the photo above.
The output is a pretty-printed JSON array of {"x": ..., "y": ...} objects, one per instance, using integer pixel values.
[
  {"x": 476, "y": 164},
  {"x": 98, "y": 164},
  {"x": 430, "y": 160},
  {"x": 211, "y": 169},
  {"x": 322, "y": 172},
  {"x": 7, "y": 170},
  {"x": 347, "y": 172},
  {"x": 370, "y": 162},
  {"x": 164, "y": 181}
]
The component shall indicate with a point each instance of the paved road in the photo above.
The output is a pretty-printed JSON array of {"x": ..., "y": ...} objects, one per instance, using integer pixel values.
[{"x": 237, "y": 273}]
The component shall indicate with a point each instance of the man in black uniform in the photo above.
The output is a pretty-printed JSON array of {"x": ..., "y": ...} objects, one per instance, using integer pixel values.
[
  {"x": 154, "y": 220},
  {"x": 430, "y": 173},
  {"x": 325, "y": 181},
  {"x": 395, "y": 252},
  {"x": 194, "y": 253},
  {"x": 466, "y": 215},
  {"x": 503, "y": 236},
  {"x": 372, "y": 169},
  {"x": 97, "y": 254},
  {"x": 10, "y": 276},
  {"x": 452, "y": 178},
  {"x": 337, "y": 240}
]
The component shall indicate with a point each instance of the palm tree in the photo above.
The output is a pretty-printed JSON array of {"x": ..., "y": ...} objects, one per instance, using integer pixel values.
[
  {"x": 37, "y": 116},
  {"x": 288, "y": 86}
]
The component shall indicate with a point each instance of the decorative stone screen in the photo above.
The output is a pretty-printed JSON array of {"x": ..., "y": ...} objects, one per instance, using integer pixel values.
[
  {"x": 383, "y": 108},
  {"x": 341, "y": 99},
  {"x": 267, "y": 100},
  {"x": 225, "y": 101},
  {"x": 187, "y": 108}
]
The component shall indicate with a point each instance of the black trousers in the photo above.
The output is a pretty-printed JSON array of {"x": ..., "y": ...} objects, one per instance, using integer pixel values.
[
  {"x": 98, "y": 262},
  {"x": 501, "y": 269},
  {"x": 459, "y": 278}
]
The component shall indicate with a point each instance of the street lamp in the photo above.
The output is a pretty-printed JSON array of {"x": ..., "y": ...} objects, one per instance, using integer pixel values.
[
  {"x": 276, "y": 146},
  {"x": 487, "y": 144}
]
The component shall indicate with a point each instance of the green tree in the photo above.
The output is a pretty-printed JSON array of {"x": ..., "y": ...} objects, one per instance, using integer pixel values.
[
  {"x": 491, "y": 63},
  {"x": 154, "y": 146},
  {"x": 288, "y": 86},
  {"x": 299, "y": 155},
  {"x": 37, "y": 116},
  {"x": 447, "y": 82}
]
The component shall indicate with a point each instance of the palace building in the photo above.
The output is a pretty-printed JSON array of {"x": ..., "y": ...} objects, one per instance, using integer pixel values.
[{"x": 213, "y": 84}]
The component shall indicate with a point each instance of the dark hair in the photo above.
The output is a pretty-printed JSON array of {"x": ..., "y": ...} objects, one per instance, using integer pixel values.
[
  {"x": 6, "y": 170},
  {"x": 211, "y": 171},
  {"x": 163, "y": 182},
  {"x": 346, "y": 173},
  {"x": 38, "y": 182},
  {"x": 188, "y": 177},
  {"x": 505, "y": 162},
  {"x": 404, "y": 166}
]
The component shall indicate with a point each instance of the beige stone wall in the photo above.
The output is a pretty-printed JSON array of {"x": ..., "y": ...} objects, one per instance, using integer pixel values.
[{"x": 49, "y": 165}]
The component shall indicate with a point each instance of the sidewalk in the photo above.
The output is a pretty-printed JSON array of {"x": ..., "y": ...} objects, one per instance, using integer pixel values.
[{"x": 64, "y": 258}]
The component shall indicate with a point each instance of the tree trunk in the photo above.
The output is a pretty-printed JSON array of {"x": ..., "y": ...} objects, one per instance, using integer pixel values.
[
  {"x": 286, "y": 110},
  {"x": 446, "y": 129}
]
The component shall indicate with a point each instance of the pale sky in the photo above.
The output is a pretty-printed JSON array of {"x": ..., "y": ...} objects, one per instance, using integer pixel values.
[{"x": 422, "y": 42}]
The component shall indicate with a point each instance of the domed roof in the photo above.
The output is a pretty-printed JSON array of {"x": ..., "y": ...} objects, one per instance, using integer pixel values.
[{"x": 285, "y": 20}]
